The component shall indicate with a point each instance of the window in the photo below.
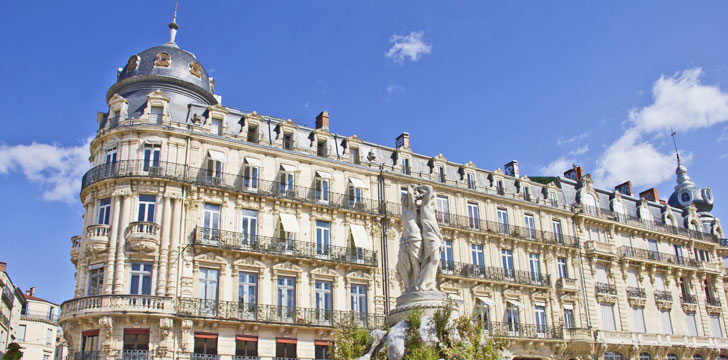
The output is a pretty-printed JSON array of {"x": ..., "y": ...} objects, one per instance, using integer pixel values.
[
  {"x": 654, "y": 253},
  {"x": 552, "y": 198},
  {"x": 626, "y": 240},
  {"x": 601, "y": 276},
  {"x": 645, "y": 356},
  {"x": 443, "y": 210},
  {"x": 248, "y": 289},
  {"x": 569, "y": 318},
  {"x": 639, "y": 319},
  {"x": 507, "y": 257},
  {"x": 477, "y": 251},
  {"x": 206, "y": 344},
  {"x": 561, "y": 265},
  {"x": 252, "y": 135},
  {"x": 355, "y": 193},
  {"x": 246, "y": 347},
  {"x": 359, "y": 298},
  {"x": 482, "y": 311},
  {"x": 47, "y": 356},
  {"x": 141, "y": 278},
  {"x": 211, "y": 222},
  {"x": 286, "y": 298},
  {"x": 151, "y": 157},
  {"x": 286, "y": 349},
  {"x": 323, "y": 238},
  {"x": 556, "y": 224},
  {"x": 692, "y": 325},
  {"x": 446, "y": 255},
  {"x": 90, "y": 341},
  {"x": 530, "y": 227},
  {"x": 499, "y": 187},
  {"x": 610, "y": 355},
  {"x": 589, "y": 204},
  {"x": 250, "y": 226},
  {"x": 725, "y": 261},
  {"x": 321, "y": 148},
  {"x": 471, "y": 180},
  {"x": 21, "y": 332},
  {"x": 321, "y": 351},
  {"x": 608, "y": 317},
  {"x": 512, "y": 317},
  {"x": 619, "y": 210},
  {"x": 288, "y": 141},
  {"x": 104, "y": 211},
  {"x": 95, "y": 279},
  {"x": 702, "y": 255},
  {"x": 526, "y": 193},
  {"x": 287, "y": 181},
  {"x": 535, "y": 265},
  {"x": 147, "y": 204},
  {"x": 207, "y": 290},
  {"x": 597, "y": 234},
  {"x": 473, "y": 216},
  {"x": 405, "y": 166},
  {"x": 715, "y": 326},
  {"x": 156, "y": 114},
  {"x": 503, "y": 221},
  {"x": 216, "y": 126},
  {"x": 354, "y": 155},
  {"x": 110, "y": 163},
  {"x": 250, "y": 177},
  {"x": 540, "y": 313},
  {"x": 324, "y": 303},
  {"x": 441, "y": 173},
  {"x": 136, "y": 339},
  {"x": 632, "y": 278},
  {"x": 214, "y": 172},
  {"x": 321, "y": 184}
]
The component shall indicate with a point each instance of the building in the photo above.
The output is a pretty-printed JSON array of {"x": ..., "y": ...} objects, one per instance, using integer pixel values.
[
  {"x": 211, "y": 233},
  {"x": 38, "y": 328},
  {"x": 10, "y": 306}
]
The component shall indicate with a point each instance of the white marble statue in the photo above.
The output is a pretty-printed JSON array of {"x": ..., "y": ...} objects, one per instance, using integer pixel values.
[{"x": 419, "y": 247}]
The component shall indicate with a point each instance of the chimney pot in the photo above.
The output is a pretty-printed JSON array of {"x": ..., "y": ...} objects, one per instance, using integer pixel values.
[
  {"x": 32, "y": 291},
  {"x": 512, "y": 168},
  {"x": 403, "y": 140},
  {"x": 3, "y": 266},
  {"x": 322, "y": 120}
]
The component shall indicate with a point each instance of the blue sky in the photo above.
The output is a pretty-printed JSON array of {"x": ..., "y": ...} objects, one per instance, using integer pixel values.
[{"x": 547, "y": 83}]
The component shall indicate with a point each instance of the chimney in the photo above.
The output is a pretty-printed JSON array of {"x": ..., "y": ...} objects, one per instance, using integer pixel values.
[
  {"x": 624, "y": 188},
  {"x": 650, "y": 194},
  {"x": 3, "y": 266},
  {"x": 575, "y": 173},
  {"x": 31, "y": 292},
  {"x": 322, "y": 120},
  {"x": 512, "y": 168},
  {"x": 403, "y": 141}
]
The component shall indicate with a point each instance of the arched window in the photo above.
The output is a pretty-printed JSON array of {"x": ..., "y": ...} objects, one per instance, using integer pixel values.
[
  {"x": 162, "y": 59},
  {"x": 611, "y": 355},
  {"x": 589, "y": 204},
  {"x": 645, "y": 356},
  {"x": 697, "y": 357},
  {"x": 672, "y": 357},
  {"x": 619, "y": 210}
]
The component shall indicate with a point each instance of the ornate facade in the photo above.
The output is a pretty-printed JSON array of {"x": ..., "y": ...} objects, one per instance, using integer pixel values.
[{"x": 211, "y": 232}]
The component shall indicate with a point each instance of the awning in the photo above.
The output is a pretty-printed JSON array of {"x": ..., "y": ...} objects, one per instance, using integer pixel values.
[
  {"x": 486, "y": 300},
  {"x": 321, "y": 342},
  {"x": 358, "y": 183},
  {"x": 288, "y": 168},
  {"x": 216, "y": 155},
  {"x": 246, "y": 338},
  {"x": 361, "y": 239},
  {"x": 90, "y": 333},
  {"x": 136, "y": 331},
  {"x": 569, "y": 306},
  {"x": 285, "y": 340},
  {"x": 206, "y": 335},
  {"x": 323, "y": 174},
  {"x": 253, "y": 161},
  {"x": 516, "y": 303},
  {"x": 539, "y": 304},
  {"x": 290, "y": 223}
]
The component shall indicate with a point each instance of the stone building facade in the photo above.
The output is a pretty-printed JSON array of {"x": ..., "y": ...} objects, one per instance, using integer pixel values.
[
  {"x": 38, "y": 330},
  {"x": 211, "y": 232},
  {"x": 10, "y": 306}
]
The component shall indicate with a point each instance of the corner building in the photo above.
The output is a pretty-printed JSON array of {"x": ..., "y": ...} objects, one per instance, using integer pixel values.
[{"x": 214, "y": 233}]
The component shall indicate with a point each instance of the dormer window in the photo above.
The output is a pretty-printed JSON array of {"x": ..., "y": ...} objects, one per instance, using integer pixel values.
[
  {"x": 155, "y": 114},
  {"x": 216, "y": 126},
  {"x": 471, "y": 181},
  {"x": 354, "y": 155},
  {"x": 552, "y": 198},
  {"x": 196, "y": 69},
  {"x": 405, "y": 165},
  {"x": 133, "y": 63},
  {"x": 440, "y": 170},
  {"x": 162, "y": 60},
  {"x": 288, "y": 141},
  {"x": 321, "y": 148},
  {"x": 252, "y": 133},
  {"x": 117, "y": 115},
  {"x": 589, "y": 204},
  {"x": 499, "y": 187},
  {"x": 526, "y": 193}
]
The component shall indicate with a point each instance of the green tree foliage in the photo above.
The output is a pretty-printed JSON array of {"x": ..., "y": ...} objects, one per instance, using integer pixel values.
[{"x": 351, "y": 340}]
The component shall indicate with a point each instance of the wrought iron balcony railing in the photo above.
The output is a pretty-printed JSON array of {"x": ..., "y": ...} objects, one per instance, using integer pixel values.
[
  {"x": 661, "y": 295},
  {"x": 230, "y": 310},
  {"x": 603, "y": 288},
  {"x": 134, "y": 355},
  {"x": 688, "y": 299},
  {"x": 534, "y": 331},
  {"x": 635, "y": 292},
  {"x": 492, "y": 273},
  {"x": 243, "y": 357},
  {"x": 86, "y": 355},
  {"x": 632, "y": 252},
  {"x": 195, "y": 356},
  {"x": 283, "y": 247},
  {"x": 712, "y": 301}
]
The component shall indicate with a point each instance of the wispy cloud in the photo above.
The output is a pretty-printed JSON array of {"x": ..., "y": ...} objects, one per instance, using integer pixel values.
[
  {"x": 556, "y": 167},
  {"x": 56, "y": 169},
  {"x": 680, "y": 102},
  {"x": 411, "y": 46},
  {"x": 580, "y": 150},
  {"x": 724, "y": 156},
  {"x": 395, "y": 89},
  {"x": 574, "y": 139}
]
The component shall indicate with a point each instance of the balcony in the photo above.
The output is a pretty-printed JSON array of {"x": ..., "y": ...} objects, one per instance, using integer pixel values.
[
  {"x": 628, "y": 251},
  {"x": 4, "y": 320},
  {"x": 491, "y": 273},
  {"x": 101, "y": 304},
  {"x": 134, "y": 355},
  {"x": 713, "y": 267},
  {"x": 289, "y": 248},
  {"x": 195, "y": 356},
  {"x": 45, "y": 316},
  {"x": 605, "y": 289},
  {"x": 566, "y": 284},
  {"x": 598, "y": 247},
  {"x": 75, "y": 251},
  {"x": 97, "y": 238},
  {"x": 230, "y": 310},
  {"x": 86, "y": 355},
  {"x": 531, "y": 331},
  {"x": 636, "y": 296},
  {"x": 241, "y": 357},
  {"x": 143, "y": 236},
  {"x": 578, "y": 334},
  {"x": 664, "y": 296}
]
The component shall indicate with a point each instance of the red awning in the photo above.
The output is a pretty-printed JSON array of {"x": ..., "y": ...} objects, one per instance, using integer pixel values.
[
  {"x": 136, "y": 331},
  {"x": 286, "y": 340},
  {"x": 321, "y": 342},
  {"x": 206, "y": 335},
  {"x": 90, "y": 333},
  {"x": 246, "y": 338}
]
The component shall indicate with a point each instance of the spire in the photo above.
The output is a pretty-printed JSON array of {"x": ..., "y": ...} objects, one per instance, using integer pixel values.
[
  {"x": 683, "y": 180},
  {"x": 173, "y": 25},
  {"x": 677, "y": 155}
]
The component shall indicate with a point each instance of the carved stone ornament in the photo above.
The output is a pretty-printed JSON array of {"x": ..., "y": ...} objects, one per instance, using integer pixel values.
[
  {"x": 162, "y": 59},
  {"x": 133, "y": 63},
  {"x": 106, "y": 325},
  {"x": 196, "y": 69}
]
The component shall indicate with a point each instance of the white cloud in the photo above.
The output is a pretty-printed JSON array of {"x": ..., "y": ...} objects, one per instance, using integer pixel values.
[
  {"x": 395, "y": 89},
  {"x": 411, "y": 46},
  {"x": 556, "y": 167},
  {"x": 56, "y": 169},
  {"x": 573, "y": 139},
  {"x": 580, "y": 150},
  {"x": 724, "y": 156},
  {"x": 680, "y": 102}
]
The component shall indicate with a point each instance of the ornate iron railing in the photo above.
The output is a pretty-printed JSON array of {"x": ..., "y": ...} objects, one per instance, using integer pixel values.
[
  {"x": 195, "y": 356},
  {"x": 661, "y": 295},
  {"x": 492, "y": 273},
  {"x": 504, "y": 329},
  {"x": 657, "y": 256},
  {"x": 243, "y": 357},
  {"x": 134, "y": 355},
  {"x": 230, "y": 310},
  {"x": 712, "y": 301},
  {"x": 688, "y": 299},
  {"x": 603, "y": 288},
  {"x": 86, "y": 355},
  {"x": 635, "y": 292},
  {"x": 283, "y": 247}
]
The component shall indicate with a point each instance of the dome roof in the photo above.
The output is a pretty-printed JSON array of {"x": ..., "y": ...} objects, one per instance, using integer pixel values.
[{"x": 168, "y": 61}]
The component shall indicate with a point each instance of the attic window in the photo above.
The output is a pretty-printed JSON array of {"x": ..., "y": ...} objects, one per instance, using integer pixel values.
[
  {"x": 133, "y": 63},
  {"x": 288, "y": 141},
  {"x": 196, "y": 69},
  {"x": 441, "y": 173},
  {"x": 252, "y": 133},
  {"x": 162, "y": 60},
  {"x": 354, "y": 154},
  {"x": 321, "y": 148}
]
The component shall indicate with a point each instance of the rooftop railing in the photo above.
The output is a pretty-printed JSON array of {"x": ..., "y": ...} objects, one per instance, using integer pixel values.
[
  {"x": 657, "y": 256},
  {"x": 283, "y": 247},
  {"x": 492, "y": 273},
  {"x": 40, "y": 315}
]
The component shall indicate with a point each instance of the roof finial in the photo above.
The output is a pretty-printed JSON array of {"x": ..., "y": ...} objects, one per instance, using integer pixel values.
[
  {"x": 173, "y": 25},
  {"x": 677, "y": 155}
]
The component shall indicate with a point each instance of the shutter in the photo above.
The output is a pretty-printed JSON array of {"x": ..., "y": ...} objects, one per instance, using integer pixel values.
[
  {"x": 692, "y": 326},
  {"x": 659, "y": 282},
  {"x": 666, "y": 323},
  {"x": 602, "y": 273},
  {"x": 632, "y": 278},
  {"x": 608, "y": 317},
  {"x": 639, "y": 320}
]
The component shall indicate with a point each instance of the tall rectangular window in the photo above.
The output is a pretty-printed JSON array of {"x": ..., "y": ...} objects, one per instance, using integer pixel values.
[
  {"x": 540, "y": 313},
  {"x": 530, "y": 227},
  {"x": 666, "y": 322},
  {"x": 211, "y": 222},
  {"x": 441, "y": 173},
  {"x": 250, "y": 226},
  {"x": 354, "y": 155},
  {"x": 477, "y": 251},
  {"x": 324, "y": 303},
  {"x": 141, "y": 278},
  {"x": 252, "y": 135},
  {"x": 499, "y": 187},
  {"x": 471, "y": 181},
  {"x": 110, "y": 162},
  {"x": 507, "y": 257},
  {"x": 322, "y": 189},
  {"x": 692, "y": 325},
  {"x": 206, "y": 344},
  {"x": 250, "y": 177},
  {"x": 156, "y": 114},
  {"x": 534, "y": 262},
  {"x": 405, "y": 166},
  {"x": 286, "y": 349},
  {"x": 152, "y": 154},
  {"x": 561, "y": 265},
  {"x": 512, "y": 317},
  {"x": 216, "y": 126},
  {"x": 632, "y": 278},
  {"x": 214, "y": 172},
  {"x": 355, "y": 196},
  {"x": 288, "y": 141},
  {"x": 526, "y": 193},
  {"x": 247, "y": 288},
  {"x": 323, "y": 238},
  {"x": 601, "y": 276},
  {"x": 321, "y": 148},
  {"x": 503, "y": 221},
  {"x": 715, "y": 326},
  {"x": 446, "y": 255},
  {"x": 104, "y": 211},
  {"x": 359, "y": 298},
  {"x": 287, "y": 297},
  {"x": 473, "y": 216},
  {"x": 246, "y": 347},
  {"x": 552, "y": 198},
  {"x": 89, "y": 343},
  {"x": 639, "y": 319},
  {"x": 557, "y": 231},
  {"x": 147, "y": 205},
  {"x": 134, "y": 340},
  {"x": 21, "y": 333},
  {"x": 49, "y": 336},
  {"x": 569, "y": 318},
  {"x": 443, "y": 210},
  {"x": 287, "y": 183},
  {"x": 95, "y": 279},
  {"x": 608, "y": 317},
  {"x": 207, "y": 284}
]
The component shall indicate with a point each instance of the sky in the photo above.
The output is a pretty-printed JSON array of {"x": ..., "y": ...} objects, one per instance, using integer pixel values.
[{"x": 550, "y": 84}]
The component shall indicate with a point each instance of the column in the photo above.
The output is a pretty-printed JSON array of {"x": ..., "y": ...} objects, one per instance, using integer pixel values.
[
  {"x": 164, "y": 247},
  {"x": 111, "y": 250},
  {"x": 121, "y": 245},
  {"x": 82, "y": 264},
  {"x": 174, "y": 247}
]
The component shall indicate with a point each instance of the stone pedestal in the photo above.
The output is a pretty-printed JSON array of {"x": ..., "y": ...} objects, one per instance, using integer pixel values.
[{"x": 427, "y": 301}]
